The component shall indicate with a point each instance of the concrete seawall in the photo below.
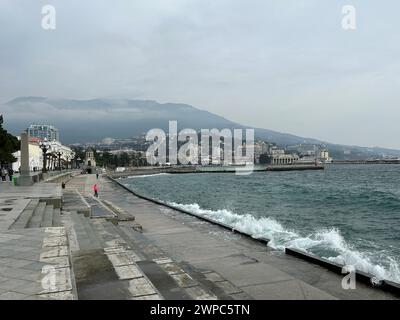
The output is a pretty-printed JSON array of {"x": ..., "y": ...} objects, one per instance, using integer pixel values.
[
  {"x": 223, "y": 225},
  {"x": 365, "y": 278},
  {"x": 188, "y": 170}
]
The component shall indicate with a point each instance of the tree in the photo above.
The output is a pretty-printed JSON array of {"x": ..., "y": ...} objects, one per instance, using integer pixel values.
[
  {"x": 104, "y": 159},
  {"x": 8, "y": 145},
  {"x": 124, "y": 159}
]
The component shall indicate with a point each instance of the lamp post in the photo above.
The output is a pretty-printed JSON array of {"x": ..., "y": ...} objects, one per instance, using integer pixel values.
[
  {"x": 44, "y": 145},
  {"x": 59, "y": 160}
]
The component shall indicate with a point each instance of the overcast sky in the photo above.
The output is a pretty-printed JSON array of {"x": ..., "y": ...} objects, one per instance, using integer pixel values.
[{"x": 286, "y": 65}]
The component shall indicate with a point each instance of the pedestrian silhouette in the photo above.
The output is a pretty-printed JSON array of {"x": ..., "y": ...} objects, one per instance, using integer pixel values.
[{"x": 96, "y": 191}]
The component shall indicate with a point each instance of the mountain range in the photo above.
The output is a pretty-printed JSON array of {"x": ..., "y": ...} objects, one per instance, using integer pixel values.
[{"x": 82, "y": 121}]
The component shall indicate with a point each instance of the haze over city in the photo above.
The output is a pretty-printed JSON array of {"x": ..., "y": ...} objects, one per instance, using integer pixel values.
[{"x": 290, "y": 68}]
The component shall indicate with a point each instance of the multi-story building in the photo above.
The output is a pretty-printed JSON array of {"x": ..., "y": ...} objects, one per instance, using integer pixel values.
[
  {"x": 43, "y": 131},
  {"x": 324, "y": 156},
  {"x": 55, "y": 152},
  {"x": 260, "y": 147}
]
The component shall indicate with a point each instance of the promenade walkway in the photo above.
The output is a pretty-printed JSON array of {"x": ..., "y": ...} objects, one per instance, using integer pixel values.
[
  {"x": 119, "y": 246},
  {"x": 34, "y": 249},
  {"x": 218, "y": 262}
]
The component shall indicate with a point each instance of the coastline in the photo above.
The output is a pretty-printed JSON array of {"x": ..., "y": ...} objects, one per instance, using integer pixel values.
[{"x": 367, "y": 278}]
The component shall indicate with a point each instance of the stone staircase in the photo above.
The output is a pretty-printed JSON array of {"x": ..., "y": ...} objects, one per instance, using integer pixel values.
[
  {"x": 92, "y": 249},
  {"x": 35, "y": 260},
  {"x": 112, "y": 260},
  {"x": 38, "y": 214}
]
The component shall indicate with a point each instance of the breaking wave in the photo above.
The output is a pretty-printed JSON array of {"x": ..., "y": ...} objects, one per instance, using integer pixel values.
[
  {"x": 326, "y": 243},
  {"x": 148, "y": 175}
]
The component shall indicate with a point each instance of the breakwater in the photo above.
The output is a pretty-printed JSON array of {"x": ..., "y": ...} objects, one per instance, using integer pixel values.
[{"x": 209, "y": 169}]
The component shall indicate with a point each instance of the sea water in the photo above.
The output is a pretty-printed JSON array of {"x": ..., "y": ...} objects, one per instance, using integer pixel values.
[{"x": 349, "y": 214}]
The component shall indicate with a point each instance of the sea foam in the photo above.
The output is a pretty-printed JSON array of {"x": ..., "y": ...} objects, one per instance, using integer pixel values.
[
  {"x": 327, "y": 243},
  {"x": 148, "y": 175}
]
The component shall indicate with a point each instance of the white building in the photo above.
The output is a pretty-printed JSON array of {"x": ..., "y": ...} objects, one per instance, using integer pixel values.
[
  {"x": 279, "y": 157},
  {"x": 36, "y": 155}
]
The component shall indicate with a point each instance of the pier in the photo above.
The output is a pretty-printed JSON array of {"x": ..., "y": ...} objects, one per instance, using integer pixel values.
[{"x": 210, "y": 169}]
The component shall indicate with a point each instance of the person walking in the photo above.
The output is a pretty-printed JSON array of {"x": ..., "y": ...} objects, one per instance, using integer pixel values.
[
  {"x": 10, "y": 173},
  {"x": 96, "y": 191},
  {"x": 97, "y": 175},
  {"x": 4, "y": 174}
]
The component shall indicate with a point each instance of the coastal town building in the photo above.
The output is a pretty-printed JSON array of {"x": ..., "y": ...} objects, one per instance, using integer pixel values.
[
  {"x": 324, "y": 155},
  {"x": 260, "y": 147},
  {"x": 64, "y": 153},
  {"x": 44, "y": 131},
  {"x": 56, "y": 153},
  {"x": 90, "y": 161},
  {"x": 279, "y": 156},
  {"x": 283, "y": 159},
  {"x": 35, "y": 156}
]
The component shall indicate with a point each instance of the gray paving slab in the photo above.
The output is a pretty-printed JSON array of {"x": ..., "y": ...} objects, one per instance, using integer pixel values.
[
  {"x": 164, "y": 283},
  {"x": 10, "y": 295},
  {"x": 258, "y": 266},
  {"x": 96, "y": 278}
]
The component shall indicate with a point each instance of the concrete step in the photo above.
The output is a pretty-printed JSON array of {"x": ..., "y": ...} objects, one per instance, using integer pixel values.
[
  {"x": 23, "y": 220},
  {"x": 57, "y": 218},
  {"x": 165, "y": 283},
  {"x": 104, "y": 234},
  {"x": 96, "y": 278},
  {"x": 91, "y": 232},
  {"x": 47, "y": 220},
  {"x": 72, "y": 201},
  {"x": 37, "y": 216},
  {"x": 86, "y": 239},
  {"x": 160, "y": 269}
]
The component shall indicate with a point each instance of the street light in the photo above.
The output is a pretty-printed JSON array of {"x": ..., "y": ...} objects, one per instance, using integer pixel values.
[
  {"x": 44, "y": 145},
  {"x": 59, "y": 160}
]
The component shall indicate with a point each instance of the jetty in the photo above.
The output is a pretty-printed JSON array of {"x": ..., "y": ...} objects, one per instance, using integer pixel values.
[
  {"x": 66, "y": 244},
  {"x": 211, "y": 169}
]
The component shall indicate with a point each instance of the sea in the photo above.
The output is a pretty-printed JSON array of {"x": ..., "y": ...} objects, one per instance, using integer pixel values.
[{"x": 349, "y": 214}]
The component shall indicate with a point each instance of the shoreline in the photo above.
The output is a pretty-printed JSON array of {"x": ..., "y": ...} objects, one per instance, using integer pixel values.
[{"x": 366, "y": 278}]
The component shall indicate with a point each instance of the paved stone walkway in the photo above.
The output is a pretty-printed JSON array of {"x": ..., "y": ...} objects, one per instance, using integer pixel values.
[
  {"x": 235, "y": 264},
  {"x": 119, "y": 246},
  {"x": 34, "y": 264},
  {"x": 34, "y": 255}
]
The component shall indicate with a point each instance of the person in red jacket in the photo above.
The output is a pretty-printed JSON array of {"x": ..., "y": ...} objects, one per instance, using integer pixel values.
[{"x": 96, "y": 191}]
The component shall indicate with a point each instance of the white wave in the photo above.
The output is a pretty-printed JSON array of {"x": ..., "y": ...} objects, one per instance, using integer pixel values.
[
  {"x": 323, "y": 240},
  {"x": 149, "y": 175}
]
